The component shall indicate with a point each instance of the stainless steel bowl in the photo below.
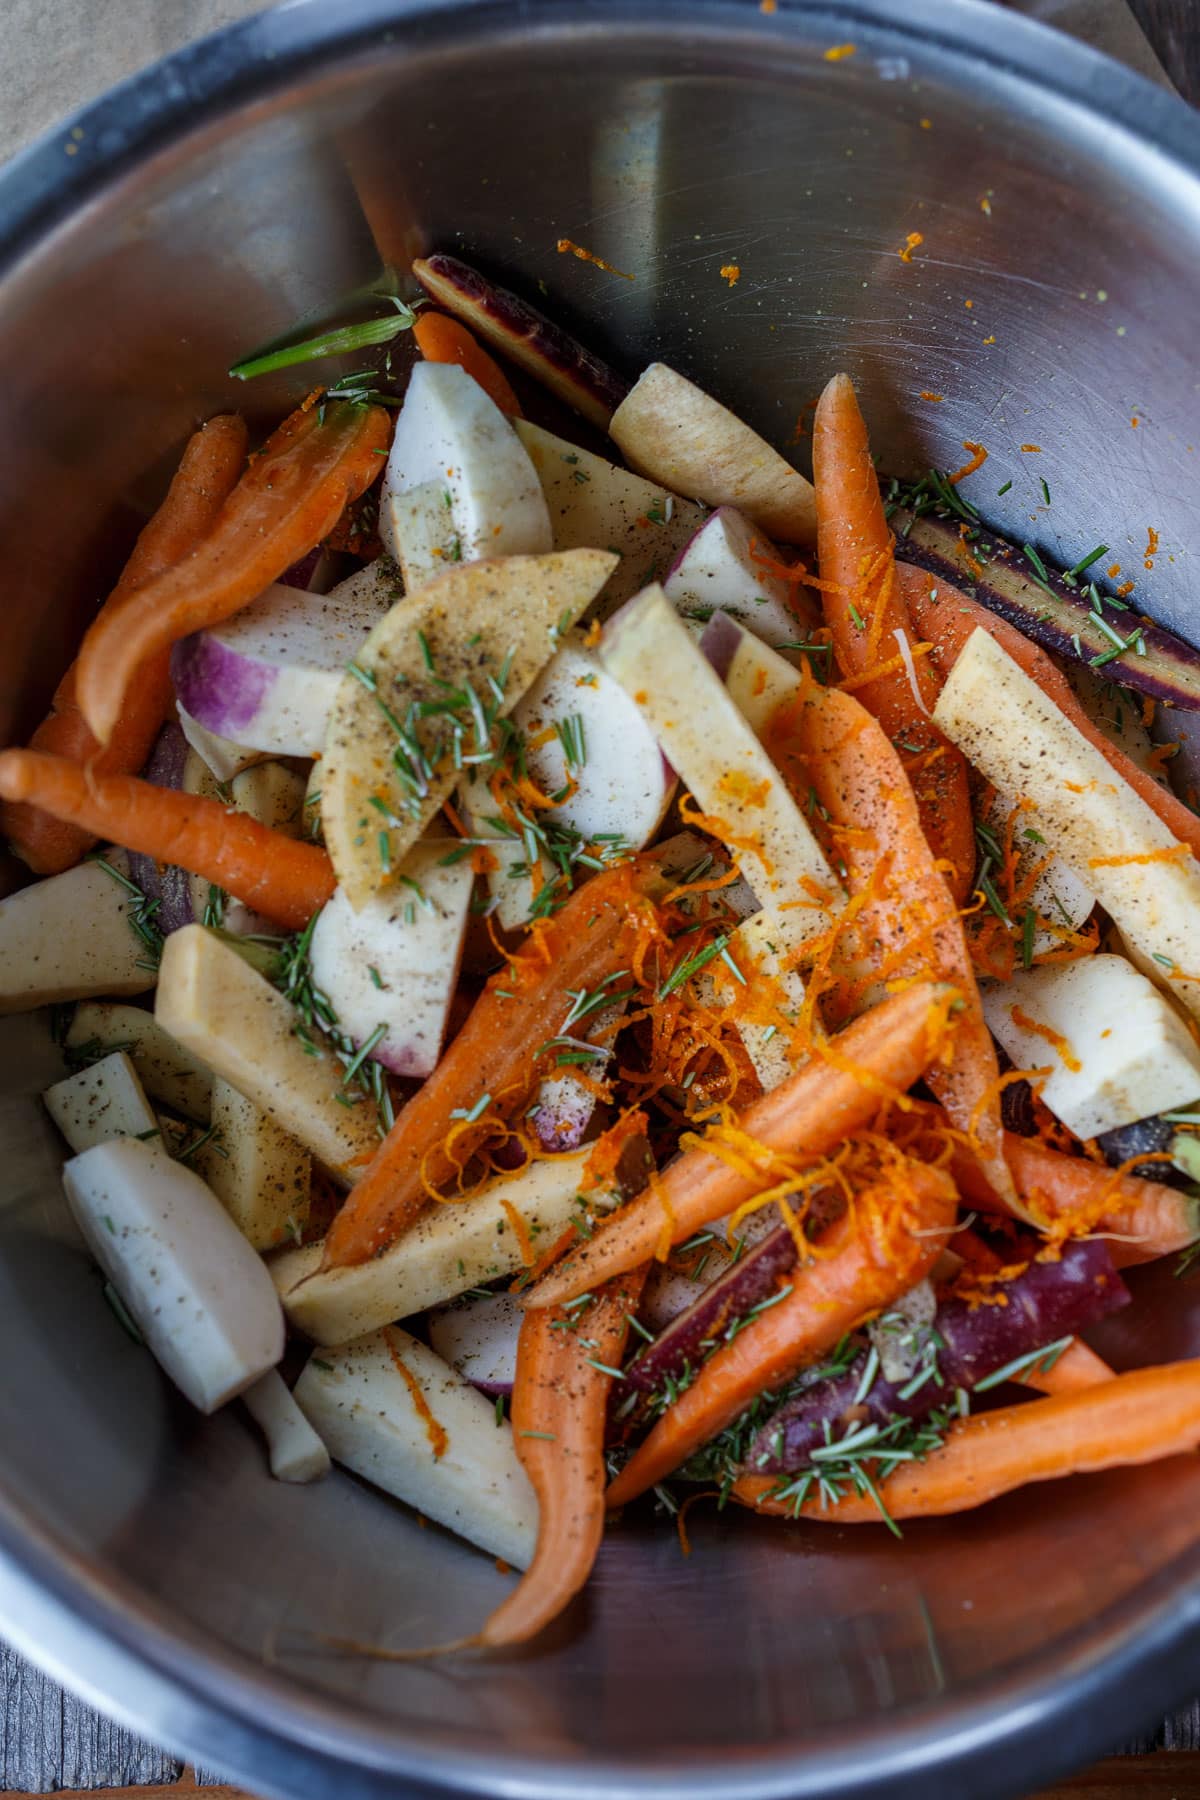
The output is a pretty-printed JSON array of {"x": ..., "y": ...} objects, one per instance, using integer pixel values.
[{"x": 257, "y": 179}]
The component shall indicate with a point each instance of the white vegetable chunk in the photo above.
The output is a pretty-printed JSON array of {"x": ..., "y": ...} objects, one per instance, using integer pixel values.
[
  {"x": 581, "y": 728},
  {"x": 1055, "y": 893},
  {"x": 458, "y": 484},
  {"x": 649, "y": 651},
  {"x": 294, "y": 1450},
  {"x": 168, "y": 1072},
  {"x": 222, "y": 1010},
  {"x": 197, "y": 1292},
  {"x": 758, "y": 678},
  {"x": 224, "y": 757},
  {"x": 99, "y": 1103},
  {"x": 478, "y": 1337},
  {"x": 1007, "y": 727},
  {"x": 260, "y": 1173},
  {"x": 594, "y": 504},
  {"x": 717, "y": 572},
  {"x": 394, "y": 963},
  {"x": 445, "y": 1455},
  {"x": 671, "y": 430},
  {"x": 70, "y": 937},
  {"x": 1120, "y": 1050},
  {"x": 268, "y": 675},
  {"x": 449, "y": 1249}
]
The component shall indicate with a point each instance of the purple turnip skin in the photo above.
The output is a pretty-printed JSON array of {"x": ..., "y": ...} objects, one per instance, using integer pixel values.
[
  {"x": 1056, "y": 616},
  {"x": 754, "y": 1279},
  {"x": 1049, "y": 1300},
  {"x": 719, "y": 641},
  {"x": 222, "y": 690}
]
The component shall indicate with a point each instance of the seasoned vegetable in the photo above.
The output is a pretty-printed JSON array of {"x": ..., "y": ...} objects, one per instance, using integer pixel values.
[
  {"x": 49, "y": 953},
  {"x": 477, "y": 1335},
  {"x": 441, "y": 339},
  {"x": 168, "y": 1072},
  {"x": 258, "y": 1171},
  {"x": 101, "y": 1102},
  {"x": 729, "y": 566},
  {"x": 296, "y": 1452}
]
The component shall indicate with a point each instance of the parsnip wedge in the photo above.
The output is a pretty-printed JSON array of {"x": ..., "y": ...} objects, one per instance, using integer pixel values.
[
  {"x": 100, "y": 1103},
  {"x": 167, "y": 1071},
  {"x": 649, "y": 650},
  {"x": 235, "y": 1021},
  {"x": 486, "y": 629},
  {"x": 259, "y": 1172},
  {"x": 673, "y": 432},
  {"x": 450, "y": 1249},
  {"x": 71, "y": 936},
  {"x": 1143, "y": 877},
  {"x": 389, "y": 1409},
  {"x": 294, "y": 1450}
]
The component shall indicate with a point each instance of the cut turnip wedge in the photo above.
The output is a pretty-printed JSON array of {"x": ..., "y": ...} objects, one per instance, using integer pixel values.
[
  {"x": 72, "y": 936},
  {"x": 1143, "y": 877},
  {"x": 191, "y": 1283},
  {"x": 586, "y": 737},
  {"x": 269, "y": 675},
  {"x": 168, "y": 1072},
  {"x": 99, "y": 1103},
  {"x": 478, "y": 1337},
  {"x": 743, "y": 799},
  {"x": 1060, "y": 617},
  {"x": 757, "y": 677},
  {"x": 458, "y": 485},
  {"x": 721, "y": 570},
  {"x": 426, "y": 689},
  {"x": 224, "y": 757},
  {"x": 526, "y": 335},
  {"x": 260, "y": 1173},
  {"x": 593, "y": 502},
  {"x": 1115, "y": 1047},
  {"x": 217, "y": 1006},
  {"x": 672, "y": 431},
  {"x": 454, "y": 1247},
  {"x": 294, "y": 1450},
  {"x": 396, "y": 1414},
  {"x": 392, "y": 966}
]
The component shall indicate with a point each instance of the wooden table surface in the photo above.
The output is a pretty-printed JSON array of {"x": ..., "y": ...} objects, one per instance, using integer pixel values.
[{"x": 49, "y": 1741}]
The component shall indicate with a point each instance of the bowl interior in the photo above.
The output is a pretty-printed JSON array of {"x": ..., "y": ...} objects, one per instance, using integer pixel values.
[{"x": 1047, "y": 302}]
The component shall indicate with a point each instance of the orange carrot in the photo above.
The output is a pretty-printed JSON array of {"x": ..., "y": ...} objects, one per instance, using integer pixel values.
[
  {"x": 909, "y": 927},
  {"x": 809, "y": 1113},
  {"x": 207, "y": 471},
  {"x": 495, "y": 1055},
  {"x": 1078, "y": 1366},
  {"x": 1135, "y": 1418},
  {"x": 870, "y": 625},
  {"x": 890, "y": 1238},
  {"x": 1145, "y": 1219},
  {"x": 559, "y": 1408},
  {"x": 283, "y": 877},
  {"x": 947, "y": 617},
  {"x": 442, "y": 339},
  {"x": 288, "y": 500}
]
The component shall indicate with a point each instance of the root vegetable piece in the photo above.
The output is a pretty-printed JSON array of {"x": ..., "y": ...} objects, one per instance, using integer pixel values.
[
  {"x": 478, "y": 1337},
  {"x": 672, "y": 431},
  {"x": 99, "y": 1103},
  {"x": 218, "y": 1007},
  {"x": 295, "y": 1451},
  {"x": 721, "y": 569},
  {"x": 458, "y": 485},
  {"x": 488, "y": 619},
  {"x": 1143, "y": 876},
  {"x": 194, "y": 1288},
  {"x": 450, "y": 1249},
  {"x": 593, "y": 502},
  {"x": 70, "y": 937},
  {"x": 389, "y": 1409},
  {"x": 395, "y": 962},
  {"x": 758, "y": 677},
  {"x": 225, "y": 758},
  {"x": 526, "y": 335},
  {"x": 259, "y": 1172},
  {"x": 168, "y": 1072},
  {"x": 268, "y": 676}
]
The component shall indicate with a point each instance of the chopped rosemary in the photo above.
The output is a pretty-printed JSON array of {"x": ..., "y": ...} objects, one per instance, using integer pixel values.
[
  {"x": 338, "y": 342},
  {"x": 1035, "y": 1362}
]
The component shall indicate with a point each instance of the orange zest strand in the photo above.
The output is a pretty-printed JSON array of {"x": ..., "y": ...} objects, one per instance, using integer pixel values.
[
  {"x": 439, "y": 1439},
  {"x": 565, "y": 245},
  {"x": 978, "y": 457},
  {"x": 520, "y": 1231},
  {"x": 1057, "y": 1042},
  {"x": 1171, "y": 853},
  {"x": 912, "y": 242}
]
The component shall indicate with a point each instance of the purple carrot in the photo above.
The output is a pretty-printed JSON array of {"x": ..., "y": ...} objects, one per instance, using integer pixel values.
[
  {"x": 171, "y": 887},
  {"x": 1054, "y": 613},
  {"x": 1047, "y": 1301}
]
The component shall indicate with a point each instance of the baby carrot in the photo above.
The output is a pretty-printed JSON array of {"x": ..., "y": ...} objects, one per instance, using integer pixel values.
[{"x": 442, "y": 339}]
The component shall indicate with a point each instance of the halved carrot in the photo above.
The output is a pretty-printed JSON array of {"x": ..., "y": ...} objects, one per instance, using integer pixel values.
[
  {"x": 1077, "y": 1367},
  {"x": 1135, "y": 1418},
  {"x": 871, "y": 627},
  {"x": 207, "y": 472},
  {"x": 1144, "y": 1219},
  {"x": 495, "y": 1055},
  {"x": 283, "y": 877},
  {"x": 890, "y": 1238},
  {"x": 289, "y": 498},
  {"x": 442, "y": 339},
  {"x": 909, "y": 927},
  {"x": 947, "y": 617},
  {"x": 809, "y": 1113},
  {"x": 559, "y": 1409}
]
